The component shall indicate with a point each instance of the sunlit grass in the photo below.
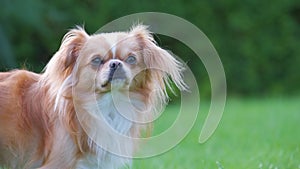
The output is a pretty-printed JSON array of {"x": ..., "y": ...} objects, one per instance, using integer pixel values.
[{"x": 253, "y": 133}]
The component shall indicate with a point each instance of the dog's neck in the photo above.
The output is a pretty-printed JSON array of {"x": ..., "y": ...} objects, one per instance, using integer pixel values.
[{"x": 111, "y": 106}]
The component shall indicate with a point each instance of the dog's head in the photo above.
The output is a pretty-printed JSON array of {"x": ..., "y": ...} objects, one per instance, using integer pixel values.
[{"x": 120, "y": 61}]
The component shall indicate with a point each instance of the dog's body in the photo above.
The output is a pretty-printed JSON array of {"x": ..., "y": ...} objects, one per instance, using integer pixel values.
[{"x": 48, "y": 121}]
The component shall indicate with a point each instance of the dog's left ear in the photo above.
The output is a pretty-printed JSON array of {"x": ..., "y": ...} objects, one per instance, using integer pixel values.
[
  {"x": 71, "y": 45},
  {"x": 160, "y": 62}
]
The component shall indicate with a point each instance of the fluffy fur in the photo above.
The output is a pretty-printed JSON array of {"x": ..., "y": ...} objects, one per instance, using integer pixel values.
[{"x": 55, "y": 120}]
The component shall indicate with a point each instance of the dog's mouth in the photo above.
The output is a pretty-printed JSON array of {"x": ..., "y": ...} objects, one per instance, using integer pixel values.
[
  {"x": 113, "y": 82},
  {"x": 116, "y": 78}
]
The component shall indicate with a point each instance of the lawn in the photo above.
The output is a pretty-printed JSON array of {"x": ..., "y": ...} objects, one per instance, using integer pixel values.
[{"x": 253, "y": 134}]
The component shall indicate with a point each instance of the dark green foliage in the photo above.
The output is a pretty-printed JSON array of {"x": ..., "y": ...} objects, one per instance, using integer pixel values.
[{"x": 258, "y": 41}]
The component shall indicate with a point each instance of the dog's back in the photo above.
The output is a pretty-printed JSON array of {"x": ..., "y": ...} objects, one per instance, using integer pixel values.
[{"x": 13, "y": 87}]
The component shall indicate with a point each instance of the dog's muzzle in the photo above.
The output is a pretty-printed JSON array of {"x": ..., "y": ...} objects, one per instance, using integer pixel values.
[{"x": 116, "y": 71}]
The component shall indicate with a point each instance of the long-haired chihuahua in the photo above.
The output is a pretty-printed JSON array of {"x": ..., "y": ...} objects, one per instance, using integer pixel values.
[{"x": 93, "y": 85}]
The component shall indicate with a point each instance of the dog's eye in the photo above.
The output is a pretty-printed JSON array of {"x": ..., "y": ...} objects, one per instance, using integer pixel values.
[
  {"x": 131, "y": 60},
  {"x": 97, "y": 61}
]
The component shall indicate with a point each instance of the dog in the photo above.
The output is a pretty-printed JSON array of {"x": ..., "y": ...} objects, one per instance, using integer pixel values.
[{"x": 73, "y": 115}]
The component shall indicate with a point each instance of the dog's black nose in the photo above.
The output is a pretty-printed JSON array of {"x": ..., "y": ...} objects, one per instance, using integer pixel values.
[{"x": 115, "y": 64}]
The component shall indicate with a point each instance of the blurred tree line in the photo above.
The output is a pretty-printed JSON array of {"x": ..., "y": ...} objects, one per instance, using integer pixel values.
[{"x": 257, "y": 41}]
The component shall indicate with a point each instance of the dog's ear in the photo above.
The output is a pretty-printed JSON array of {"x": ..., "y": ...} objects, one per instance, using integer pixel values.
[
  {"x": 71, "y": 45},
  {"x": 160, "y": 63},
  {"x": 62, "y": 63}
]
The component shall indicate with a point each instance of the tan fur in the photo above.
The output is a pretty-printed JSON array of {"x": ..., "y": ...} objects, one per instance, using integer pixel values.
[{"x": 39, "y": 127}]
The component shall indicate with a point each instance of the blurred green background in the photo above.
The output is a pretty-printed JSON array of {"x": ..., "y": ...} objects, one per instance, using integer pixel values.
[{"x": 258, "y": 43}]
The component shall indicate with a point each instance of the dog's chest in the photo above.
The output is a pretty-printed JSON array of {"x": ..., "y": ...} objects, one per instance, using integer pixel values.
[{"x": 118, "y": 112}]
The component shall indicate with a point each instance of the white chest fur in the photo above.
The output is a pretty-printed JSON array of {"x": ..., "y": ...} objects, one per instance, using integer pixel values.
[{"x": 118, "y": 112}]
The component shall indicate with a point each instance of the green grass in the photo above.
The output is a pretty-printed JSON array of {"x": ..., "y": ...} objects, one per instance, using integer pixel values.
[{"x": 253, "y": 134}]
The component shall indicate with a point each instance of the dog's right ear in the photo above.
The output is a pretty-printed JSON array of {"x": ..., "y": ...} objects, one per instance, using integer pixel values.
[
  {"x": 71, "y": 45},
  {"x": 62, "y": 63}
]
